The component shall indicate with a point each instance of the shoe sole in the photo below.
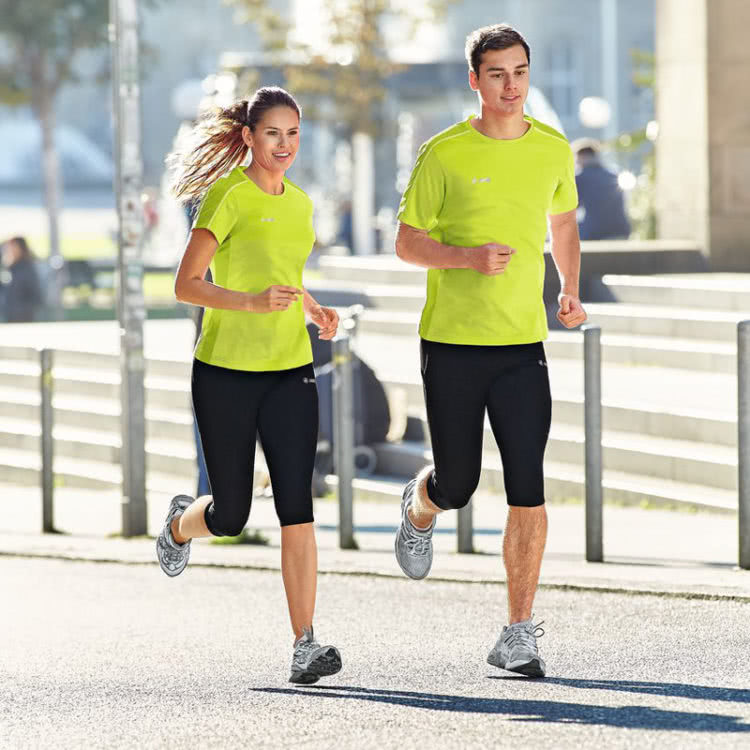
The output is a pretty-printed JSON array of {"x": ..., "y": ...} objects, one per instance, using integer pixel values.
[
  {"x": 323, "y": 665},
  {"x": 531, "y": 668}
]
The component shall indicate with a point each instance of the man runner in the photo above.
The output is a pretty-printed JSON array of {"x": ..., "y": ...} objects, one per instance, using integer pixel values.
[{"x": 475, "y": 213}]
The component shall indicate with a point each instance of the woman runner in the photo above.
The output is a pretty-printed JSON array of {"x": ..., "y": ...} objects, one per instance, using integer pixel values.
[{"x": 252, "y": 372}]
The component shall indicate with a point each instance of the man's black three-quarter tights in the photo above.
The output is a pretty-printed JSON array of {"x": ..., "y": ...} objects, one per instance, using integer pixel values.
[
  {"x": 232, "y": 407},
  {"x": 510, "y": 384}
]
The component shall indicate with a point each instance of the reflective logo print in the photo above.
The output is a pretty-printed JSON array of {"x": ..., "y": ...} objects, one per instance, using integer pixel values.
[
  {"x": 308, "y": 380},
  {"x": 269, "y": 218},
  {"x": 480, "y": 179}
]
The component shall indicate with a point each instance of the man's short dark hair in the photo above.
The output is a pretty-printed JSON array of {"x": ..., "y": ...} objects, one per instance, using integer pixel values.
[{"x": 497, "y": 36}]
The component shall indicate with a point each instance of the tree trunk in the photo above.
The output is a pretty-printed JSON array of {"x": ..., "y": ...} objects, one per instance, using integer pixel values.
[
  {"x": 51, "y": 166},
  {"x": 44, "y": 106}
]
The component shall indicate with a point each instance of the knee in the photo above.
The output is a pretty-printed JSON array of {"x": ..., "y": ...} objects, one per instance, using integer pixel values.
[
  {"x": 224, "y": 524},
  {"x": 452, "y": 493}
]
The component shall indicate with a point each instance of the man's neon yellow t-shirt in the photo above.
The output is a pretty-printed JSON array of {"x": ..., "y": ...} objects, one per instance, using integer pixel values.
[
  {"x": 466, "y": 190},
  {"x": 263, "y": 240}
]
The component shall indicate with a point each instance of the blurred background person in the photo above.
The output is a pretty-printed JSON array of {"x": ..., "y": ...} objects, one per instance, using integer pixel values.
[
  {"x": 600, "y": 197},
  {"x": 22, "y": 293}
]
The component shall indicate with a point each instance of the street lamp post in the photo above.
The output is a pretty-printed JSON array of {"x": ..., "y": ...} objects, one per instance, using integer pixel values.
[{"x": 130, "y": 304}]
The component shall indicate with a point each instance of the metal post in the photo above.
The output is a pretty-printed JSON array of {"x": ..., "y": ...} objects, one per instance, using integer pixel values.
[
  {"x": 592, "y": 366},
  {"x": 131, "y": 307},
  {"x": 47, "y": 477},
  {"x": 343, "y": 436},
  {"x": 465, "y": 529},
  {"x": 743, "y": 439}
]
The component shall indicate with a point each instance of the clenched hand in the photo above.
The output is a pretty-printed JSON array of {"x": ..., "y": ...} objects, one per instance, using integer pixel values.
[
  {"x": 490, "y": 259},
  {"x": 571, "y": 312},
  {"x": 275, "y": 299}
]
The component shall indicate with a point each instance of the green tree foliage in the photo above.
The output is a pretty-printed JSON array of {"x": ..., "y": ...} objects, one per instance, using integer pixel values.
[
  {"x": 42, "y": 39},
  {"x": 348, "y": 70}
]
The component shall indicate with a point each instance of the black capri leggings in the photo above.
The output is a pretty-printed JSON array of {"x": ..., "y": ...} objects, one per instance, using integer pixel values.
[
  {"x": 511, "y": 384},
  {"x": 231, "y": 408}
]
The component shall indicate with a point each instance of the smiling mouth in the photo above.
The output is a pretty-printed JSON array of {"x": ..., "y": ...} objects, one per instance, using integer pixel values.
[{"x": 283, "y": 155}]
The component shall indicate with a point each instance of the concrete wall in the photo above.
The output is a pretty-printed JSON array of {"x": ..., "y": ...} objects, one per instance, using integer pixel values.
[{"x": 703, "y": 151}]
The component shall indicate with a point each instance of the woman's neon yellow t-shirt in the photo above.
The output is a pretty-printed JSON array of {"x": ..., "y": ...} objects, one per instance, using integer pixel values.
[
  {"x": 466, "y": 190},
  {"x": 263, "y": 240}
]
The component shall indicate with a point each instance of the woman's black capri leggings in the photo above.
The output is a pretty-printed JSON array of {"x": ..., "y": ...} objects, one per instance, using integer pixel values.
[
  {"x": 511, "y": 385},
  {"x": 231, "y": 408}
]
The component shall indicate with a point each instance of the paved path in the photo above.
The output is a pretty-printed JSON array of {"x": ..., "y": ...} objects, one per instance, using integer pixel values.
[
  {"x": 678, "y": 553},
  {"x": 101, "y": 655}
]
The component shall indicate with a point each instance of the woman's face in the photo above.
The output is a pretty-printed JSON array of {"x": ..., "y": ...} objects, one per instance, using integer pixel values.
[{"x": 275, "y": 140}]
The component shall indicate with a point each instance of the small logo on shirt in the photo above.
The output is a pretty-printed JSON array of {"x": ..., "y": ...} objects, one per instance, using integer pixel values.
[
  {"x": 267, "y": 218},
  {"x": 308, "y": 380},
  {"x": 475, "y": 180}
]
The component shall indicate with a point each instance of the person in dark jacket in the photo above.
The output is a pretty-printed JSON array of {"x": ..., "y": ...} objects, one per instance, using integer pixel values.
[
  {"x": 599, "y": 195},
  {"x": 23, "y": 291}
]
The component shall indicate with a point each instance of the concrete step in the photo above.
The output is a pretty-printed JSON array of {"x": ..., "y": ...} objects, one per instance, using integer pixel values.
[
  {"x": 636, "y": 420},
  {"x": 712, "y": 291},
  {"x": 168, "y": 456},
  {"x": 164, "y": 392},
  {"x": 564, "y": 481},
  {"x": 95, "y": 414},
  {"x": 702, "y": 355},
  {"x": 93, "y": 361},
  {"x": 658, "y": 320},
  {"x": 682, "y": 460},
  {"x": 341, "y": 293},
  {"x": 375, "y": 269},
  {"x": 24, "y": 467}
]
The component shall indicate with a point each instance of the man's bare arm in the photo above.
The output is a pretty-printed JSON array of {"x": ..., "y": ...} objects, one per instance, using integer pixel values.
[
  {"x": 566, "y": 252},
  {"x": 415, "y": 246}
]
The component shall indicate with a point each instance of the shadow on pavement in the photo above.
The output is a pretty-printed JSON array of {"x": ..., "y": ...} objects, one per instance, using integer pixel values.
[
  {"x": 668, "y": 689},
  {"x": 627, "y": 717}
]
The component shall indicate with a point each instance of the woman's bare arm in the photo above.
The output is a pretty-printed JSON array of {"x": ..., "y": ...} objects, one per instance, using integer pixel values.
[{"x": 191, "y": 285}]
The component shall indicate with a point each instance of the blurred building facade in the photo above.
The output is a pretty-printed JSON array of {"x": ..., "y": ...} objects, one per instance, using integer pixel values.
[{"x": 567, "y": 41}]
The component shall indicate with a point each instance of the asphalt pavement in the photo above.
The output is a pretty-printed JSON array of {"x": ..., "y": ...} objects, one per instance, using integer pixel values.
[{"x": 102, "y": 655}]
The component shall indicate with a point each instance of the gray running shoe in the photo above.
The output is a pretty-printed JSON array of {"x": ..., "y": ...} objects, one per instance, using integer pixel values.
[
  {"x": 311, "y": 661},
  {"x": 413, "y": 545},
  {"x": 173, "y": 557},
  {"x": 516, "y": 649}
]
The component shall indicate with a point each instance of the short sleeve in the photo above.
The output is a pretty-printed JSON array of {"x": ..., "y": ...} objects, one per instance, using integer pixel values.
[
  {"x": 423, "y": 198},
  {"x": 217, "y": 212},
  {"x": 566, "y": 195}
]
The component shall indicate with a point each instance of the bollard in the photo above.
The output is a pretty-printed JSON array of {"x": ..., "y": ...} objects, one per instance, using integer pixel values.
[
  {"x": 465, "y": 529},
  {"x": 592, "y": 366},
  {"x": 45, "y": 408},
  {"x": 343, "y": 436},
  {"x": 743, "y": 440}
]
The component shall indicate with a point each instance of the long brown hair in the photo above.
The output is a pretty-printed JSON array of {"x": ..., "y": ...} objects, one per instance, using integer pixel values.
[{"x": 216, "y": 144}]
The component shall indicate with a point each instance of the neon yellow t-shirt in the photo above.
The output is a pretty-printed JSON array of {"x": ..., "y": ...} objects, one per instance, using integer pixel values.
[
  {"x": 467, "y": 189},
  {"x": 263, "y": 240}
]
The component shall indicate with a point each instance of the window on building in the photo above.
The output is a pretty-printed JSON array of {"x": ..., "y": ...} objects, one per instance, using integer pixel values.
[{"x": 560, "y": 79}]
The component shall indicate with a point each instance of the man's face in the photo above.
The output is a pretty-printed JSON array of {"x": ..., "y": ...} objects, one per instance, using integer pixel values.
[{"x": 503, "y": 80}]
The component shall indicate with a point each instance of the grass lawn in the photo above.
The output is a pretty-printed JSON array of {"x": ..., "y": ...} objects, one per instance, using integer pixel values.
[{"x": 75, "y": 245}]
